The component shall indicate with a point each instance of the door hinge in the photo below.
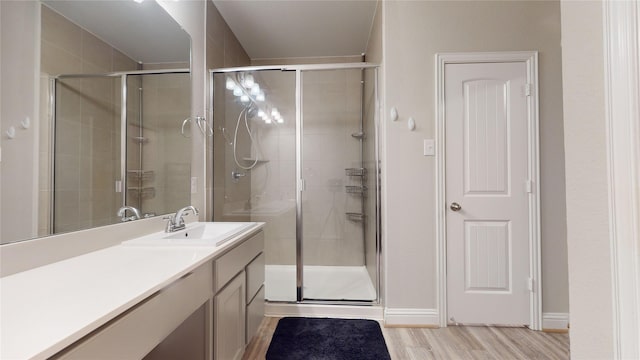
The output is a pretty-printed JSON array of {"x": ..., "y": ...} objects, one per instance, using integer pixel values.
[
  {"x": 118, "y": 186},
  {"x": 528, "y": 89},
  {"x": 302, "y": 185},
  {"x": 530, "y": 284},
  {"x": 528, "y": 186}
]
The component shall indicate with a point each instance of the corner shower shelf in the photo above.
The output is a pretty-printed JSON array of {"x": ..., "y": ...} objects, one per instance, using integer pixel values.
[
  {"x": 140, "y": 139},
  {"x": 141, "y": 174},
  {"x": 355, "y": 217},
  {"x": 356, "y": 171},
  {"x": 147, "y": 192},
  {"x": 351, "y": 189}
]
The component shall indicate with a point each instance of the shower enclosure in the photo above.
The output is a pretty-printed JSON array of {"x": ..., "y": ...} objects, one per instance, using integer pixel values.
[
  {"x": 117, "y": 141},
  {"x": 296, "y": 148}
]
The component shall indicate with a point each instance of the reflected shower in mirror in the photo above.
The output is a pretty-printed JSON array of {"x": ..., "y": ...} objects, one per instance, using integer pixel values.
[{"x": 113, "y": 88}]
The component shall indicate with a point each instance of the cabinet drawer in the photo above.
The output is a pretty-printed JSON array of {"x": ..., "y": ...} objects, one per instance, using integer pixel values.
[
  {"x": 137, "y": 332},
  {"x": 255, "y": 314},
  {"x": 231, "y": 263},
  {"x": 255, "y": 276}
]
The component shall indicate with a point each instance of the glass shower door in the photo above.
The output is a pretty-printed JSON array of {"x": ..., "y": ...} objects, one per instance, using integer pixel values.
[
  {"x": 86, "y": 140},
  {"x": 336, "y": 167},
  {"x": 255, "y": 165},
  {"x": 158, "y": 155},
  {"x": 295, "y": 148},
  {"x": 89, "y": 152}
]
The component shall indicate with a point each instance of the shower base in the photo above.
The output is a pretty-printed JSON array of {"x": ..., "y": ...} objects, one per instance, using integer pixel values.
[{"x": 346, "y": 283}]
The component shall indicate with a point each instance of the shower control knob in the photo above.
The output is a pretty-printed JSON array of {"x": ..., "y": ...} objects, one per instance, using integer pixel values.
[{"x": 455, "y": 206}]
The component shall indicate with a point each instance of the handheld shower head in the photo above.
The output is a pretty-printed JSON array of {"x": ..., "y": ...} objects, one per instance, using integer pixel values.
[{"x": 252, "y": 111}]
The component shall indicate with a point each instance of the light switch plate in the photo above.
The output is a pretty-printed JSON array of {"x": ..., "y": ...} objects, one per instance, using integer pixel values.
[{"x": 429, "y": 147}]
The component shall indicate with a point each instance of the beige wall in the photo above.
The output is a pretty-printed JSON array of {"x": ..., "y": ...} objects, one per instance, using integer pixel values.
[
  {"x": 413, "y": 33},
  {"x": 19, "y": 95},
  {"x": 586, "y": 178}
]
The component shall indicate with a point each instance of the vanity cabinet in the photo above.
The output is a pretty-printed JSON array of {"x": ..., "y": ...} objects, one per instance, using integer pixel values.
[
  {"x": 136, "y": 332},
  {"x": 239, "y": 300},
  {"x": 224, "y": 295}
]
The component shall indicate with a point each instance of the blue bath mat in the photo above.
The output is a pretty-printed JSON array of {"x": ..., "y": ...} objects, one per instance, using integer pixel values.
[{"x": 327, "y": 339}]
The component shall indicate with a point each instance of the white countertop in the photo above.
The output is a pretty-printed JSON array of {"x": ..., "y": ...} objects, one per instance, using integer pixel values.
[{"x": 46, "y": 309}]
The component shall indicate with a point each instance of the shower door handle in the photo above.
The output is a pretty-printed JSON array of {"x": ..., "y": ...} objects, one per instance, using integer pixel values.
[{"x": 455, "y": 206}]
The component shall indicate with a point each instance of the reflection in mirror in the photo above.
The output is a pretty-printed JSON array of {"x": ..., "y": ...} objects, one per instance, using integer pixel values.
[{"x": 114, "y": 89}]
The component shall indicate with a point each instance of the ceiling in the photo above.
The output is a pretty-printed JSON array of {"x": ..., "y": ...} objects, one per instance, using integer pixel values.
[
  {"x": 143, "y": 31},
  {"x": 270, "y": 29}
]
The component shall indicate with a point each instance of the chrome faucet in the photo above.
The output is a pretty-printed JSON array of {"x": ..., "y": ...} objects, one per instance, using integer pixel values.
[
  {"x": 123, "y": 211},
  {"x": 176, "y": 222}
]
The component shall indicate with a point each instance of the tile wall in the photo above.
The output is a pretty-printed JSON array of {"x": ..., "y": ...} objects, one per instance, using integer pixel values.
[
  {"x": 331, "y": 112},
  {"x": 273, "y": 186},
  {"x": 161, "y": 183},
  {"x": 224, "y": 50},
  {"x": 88, "y": 132}
]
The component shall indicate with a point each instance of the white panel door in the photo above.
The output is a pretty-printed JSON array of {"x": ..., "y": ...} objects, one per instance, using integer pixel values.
[{"x": 486, "y": 174}]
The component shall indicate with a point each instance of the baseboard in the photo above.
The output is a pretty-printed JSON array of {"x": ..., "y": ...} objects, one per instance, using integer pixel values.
[
  {"x": 555, "y": 321},
  {"x": 320, "y": 310},
  {"x": 393, "y": 317},
  {"x": 411, "y": 317}
]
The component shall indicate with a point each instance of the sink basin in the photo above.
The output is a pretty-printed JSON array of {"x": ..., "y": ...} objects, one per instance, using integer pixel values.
[{"x": 197, "y": 234}]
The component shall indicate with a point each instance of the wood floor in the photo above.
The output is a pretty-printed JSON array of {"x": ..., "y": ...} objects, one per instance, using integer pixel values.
[{"x": 453, "y": 342}]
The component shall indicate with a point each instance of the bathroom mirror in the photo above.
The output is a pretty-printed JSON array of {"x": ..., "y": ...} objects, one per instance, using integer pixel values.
[{"x": 111, "y": 92}]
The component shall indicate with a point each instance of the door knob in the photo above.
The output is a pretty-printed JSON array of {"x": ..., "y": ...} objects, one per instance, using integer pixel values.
[{"x": 455, "y": 206}]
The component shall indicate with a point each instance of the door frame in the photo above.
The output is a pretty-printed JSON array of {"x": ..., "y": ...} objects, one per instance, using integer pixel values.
[
  {"x": 530, "y": 58},
  {"x": 621, "y": 36}
]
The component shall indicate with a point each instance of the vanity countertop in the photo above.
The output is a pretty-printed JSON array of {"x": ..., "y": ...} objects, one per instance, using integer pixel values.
[{"x": 46, "y": 309}]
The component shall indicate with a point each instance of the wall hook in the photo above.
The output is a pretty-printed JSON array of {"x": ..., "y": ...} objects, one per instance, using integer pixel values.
[
  {"x": 411, "y": 124},
  {"x": 11, "y": 132},
  {"x": 393, "y": 114},
  {"x": 26, "y": 123}
]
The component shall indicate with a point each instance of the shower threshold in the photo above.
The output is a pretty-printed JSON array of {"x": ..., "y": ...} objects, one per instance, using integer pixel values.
[{"x": 339, "y": 283}]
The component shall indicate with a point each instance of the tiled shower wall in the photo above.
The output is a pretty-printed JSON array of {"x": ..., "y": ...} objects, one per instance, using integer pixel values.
[
  {"x": 155, "y": 138},
  {"x": 332, "y": 106},
  {"x": 332, "y": 113},
  {"x": 88, "y": 129},
  {"x": 273, "y": 185}
]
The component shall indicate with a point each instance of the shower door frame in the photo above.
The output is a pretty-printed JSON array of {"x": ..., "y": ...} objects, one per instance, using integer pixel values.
[
  {"x": 299, "y": 69},
  {"x": 53, "y": 81}
]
